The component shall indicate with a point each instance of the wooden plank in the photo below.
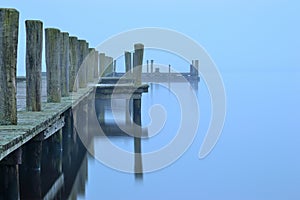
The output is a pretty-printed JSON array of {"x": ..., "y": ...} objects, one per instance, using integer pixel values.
[{"x": 30, "y": 124}]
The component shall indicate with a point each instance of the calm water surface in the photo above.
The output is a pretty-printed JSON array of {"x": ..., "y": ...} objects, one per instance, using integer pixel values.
[{"x": 256, "y": 157}]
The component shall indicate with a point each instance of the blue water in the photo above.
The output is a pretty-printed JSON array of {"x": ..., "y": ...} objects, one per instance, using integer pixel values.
[{"x": 256, "y": 157}]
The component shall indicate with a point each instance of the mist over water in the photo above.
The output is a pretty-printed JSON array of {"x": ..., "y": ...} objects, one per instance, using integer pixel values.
[{"x": 255, "y": 158}]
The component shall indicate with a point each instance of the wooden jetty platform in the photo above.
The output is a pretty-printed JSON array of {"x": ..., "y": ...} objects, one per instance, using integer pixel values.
[{"x": 42, "y": 124}]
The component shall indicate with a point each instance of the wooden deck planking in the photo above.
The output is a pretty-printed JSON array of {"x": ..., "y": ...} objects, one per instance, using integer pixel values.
[{"x": 30, "y": 124}]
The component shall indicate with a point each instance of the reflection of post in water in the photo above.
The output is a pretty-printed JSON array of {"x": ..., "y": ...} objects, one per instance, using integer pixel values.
[
  {"x": 138, "y": 165},
  {"x": 41, "y": 171},
  {"x": 30, "y": 171},
  {"x": 9, "y": 176},
  {"x": 138, "y": 62}
]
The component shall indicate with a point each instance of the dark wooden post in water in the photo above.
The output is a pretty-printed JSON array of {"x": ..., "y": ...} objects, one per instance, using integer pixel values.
[
  {"x": 9, "y": 31},
  {"x": 110, "y": 66},
  {"x": 191, "y": 68},
  {"x": 82, "y": 69},
  {"x": 138, "y": 63},
  {"x": 52, "y": 41},
  {"x": 115, "y": 67},
  {"x": 196, "y": 67},
  {"x": 152, "y": 66},
  {"x": 128, "y": 75},
  {"x": 73, "y": 56},
  {"x": 128, "y": 63},
  {"x": 101, "y": 64},
  {"x": 64, "y": 64},
  {"x": 34, "y": 48},
  {"x": 147, "y": 66},
  {"x": 9, "y": 182}
]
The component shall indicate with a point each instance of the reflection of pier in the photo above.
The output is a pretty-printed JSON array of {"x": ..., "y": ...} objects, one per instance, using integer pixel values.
[
  {"x": 130, "y": 124},
  {"x": 51, "y": 169}
]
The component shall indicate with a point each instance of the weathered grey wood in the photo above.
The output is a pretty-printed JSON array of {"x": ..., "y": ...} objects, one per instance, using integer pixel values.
[
  {"x": 152, "y": 61},
  {"x": 128, "y": 64},
  {"x": 96, "y": 64},
  {"x": 31, "y": 124},
  {"x": 101, "y": 64},
  {"x": 73, "y": 56},
  {"x": 91, "y": 65},
  {"x": 9, "y": 31},
  {"x": 86, "y": 62},
  {"x": 64, "y": 64},
  {"x": 191, "y": 67},
  {"x": 110, "y": 66},
  {"x": 82, "y": 68},
  {"x": 51, "y": 130},
  {"x": 196, "y": 67},
  {"x": 147, "y": 66},
  {"x": 138, "y": 62},
  {"x": 115, "y": 66},
  {"x": 34, "y": 48},
  {"x": 52, "y": 47}
]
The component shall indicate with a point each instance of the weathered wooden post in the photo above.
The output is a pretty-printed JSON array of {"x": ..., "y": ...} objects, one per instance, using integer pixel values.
[
  {"x": 32, "y": 155},
  {"x": 82, "y": 67},
  {"x": 193, "y": 71},
  {"x": 196, "y": 67},
  {"x": 73, "y": 54},
  {"x": 52, "y": 41},
  {"x": 128, "y": 63},
  {"x": 96, "y": 64},
  {"x": 86, "y": 61},
  {"x": 147, "y": 66},
  {"x": 110, "y": 65},
  {"x": 138, "y": 62},
  {"x": 90, "y": 65},
  {"x": 115, "y": 67},
  {"x": 9, "y": 31},
  {"x": 128, "y": 75},
  {"x": 102, "y": 64},
  {"x": 9, "y": 182},
  {"x": 34, "y": 48},
  {"x": 64, "y": 64},
  {"x": 152, "y": 66}
]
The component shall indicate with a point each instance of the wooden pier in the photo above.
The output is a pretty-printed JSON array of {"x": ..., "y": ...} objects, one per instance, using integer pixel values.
[
  {"x": 42, "y": 109},
  {"x": 73, "y": 77}
]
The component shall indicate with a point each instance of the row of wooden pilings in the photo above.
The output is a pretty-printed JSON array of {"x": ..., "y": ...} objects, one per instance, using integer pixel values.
[{"x": 70, "y": 64}]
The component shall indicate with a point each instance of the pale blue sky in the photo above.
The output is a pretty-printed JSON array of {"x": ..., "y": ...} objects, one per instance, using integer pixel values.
[
  {"x": 257, "y": 156},
  {"x": 237, "y": 34}
]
